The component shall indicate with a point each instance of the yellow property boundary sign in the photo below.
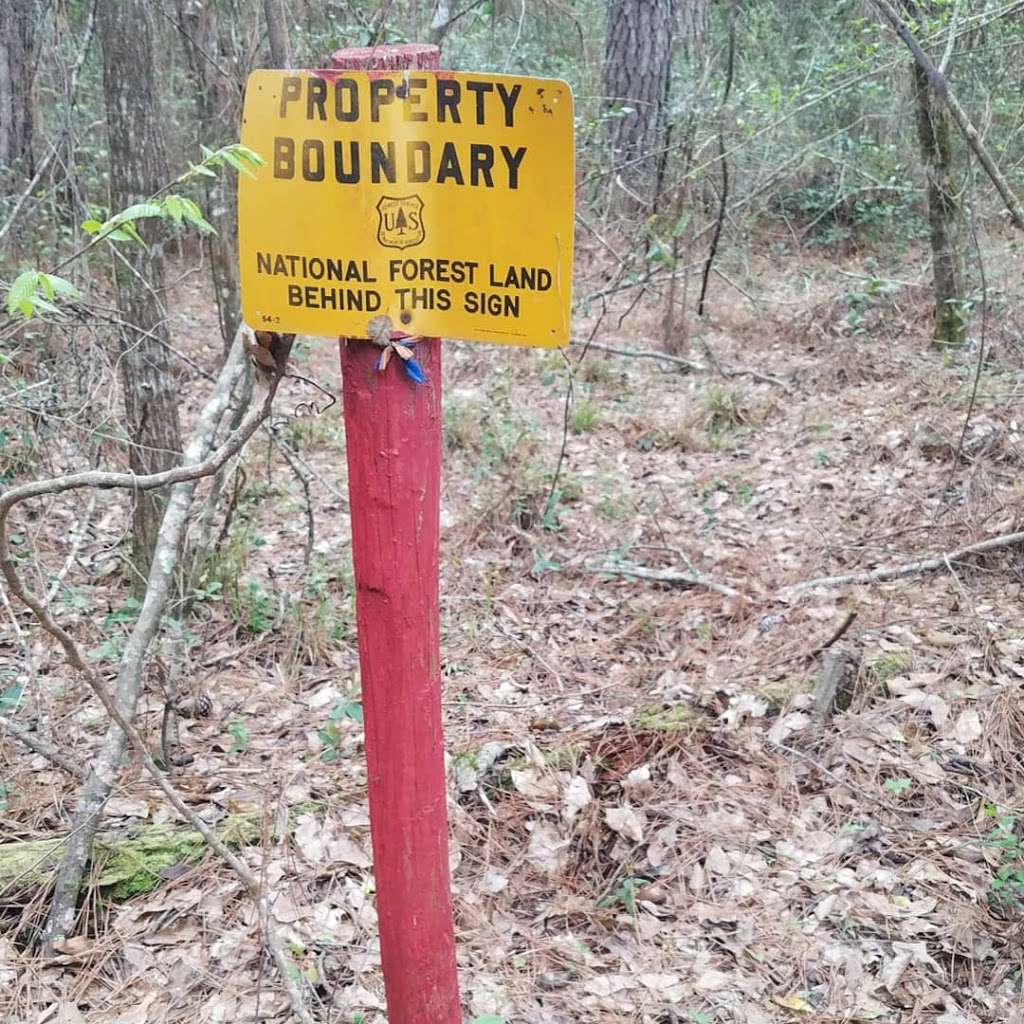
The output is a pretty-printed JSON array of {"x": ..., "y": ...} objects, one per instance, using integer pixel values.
[{"x": 443, "y": 200}]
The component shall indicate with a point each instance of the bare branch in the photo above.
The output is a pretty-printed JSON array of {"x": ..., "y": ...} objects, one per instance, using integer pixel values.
[
  {"x": 669, "y": 576},
  {"x": 687, "y": 364},
  {"x": 896, "y": 572},
  {"x": 963, "y": 122},
  {"x": 38, "y": 746}
]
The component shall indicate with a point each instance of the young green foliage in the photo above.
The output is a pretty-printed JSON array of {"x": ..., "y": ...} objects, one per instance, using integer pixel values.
[{"x": 34, "y": 292}]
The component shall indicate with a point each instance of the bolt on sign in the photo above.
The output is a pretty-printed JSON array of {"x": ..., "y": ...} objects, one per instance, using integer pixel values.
[{"x": 441, "y": 200}]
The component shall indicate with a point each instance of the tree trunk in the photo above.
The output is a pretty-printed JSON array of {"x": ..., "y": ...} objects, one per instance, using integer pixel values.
[
  {"x": 693, "y": 25},
  {"x": 277, "y": 33},
  {"x": 935, "y": 139},
  {"x": 17, "y": 71},
  {"x": 138, "y": 167},
  {"x": 637, "y": 75},
  {"x": 219, "y": 100},
  {"x": 944, "y": 216}
]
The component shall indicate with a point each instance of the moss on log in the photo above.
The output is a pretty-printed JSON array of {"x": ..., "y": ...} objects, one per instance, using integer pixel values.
[{"x": 124, "y": 864}]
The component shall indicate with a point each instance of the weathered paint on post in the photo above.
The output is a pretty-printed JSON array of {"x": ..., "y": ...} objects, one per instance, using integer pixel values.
[{"x": 393, "y": 438}]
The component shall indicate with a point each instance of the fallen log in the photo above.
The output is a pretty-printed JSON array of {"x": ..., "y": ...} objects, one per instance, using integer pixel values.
[{"x": 125, "y": 864}]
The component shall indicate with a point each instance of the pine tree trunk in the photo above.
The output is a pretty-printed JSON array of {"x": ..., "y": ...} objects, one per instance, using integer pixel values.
[
  {"x": 637, "y": 74},
  {"x": 17, "y": 72},
  {"x": 138, "y": 167}
]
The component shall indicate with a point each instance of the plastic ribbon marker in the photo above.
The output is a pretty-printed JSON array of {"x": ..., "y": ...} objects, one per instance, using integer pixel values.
[{"x": 380, "y": 330}]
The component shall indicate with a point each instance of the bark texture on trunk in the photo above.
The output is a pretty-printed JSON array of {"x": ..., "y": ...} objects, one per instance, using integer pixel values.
[
  {"x": 218, "y": 81},
  {"x": 277, "y": 33},
  {"x": 694, "y": 16},
  {"x": 934, "y": 133},
  {"x": 637, "y": 74},
  {"x": 17, "y": 72},
  {"x": 138, "y": 167}
]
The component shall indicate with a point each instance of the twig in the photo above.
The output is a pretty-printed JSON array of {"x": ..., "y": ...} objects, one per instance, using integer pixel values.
[
  {"x": 838, "y": 779},
  {"x": 843, "y": 197},
  {"x": 78, "y": 533},
  {"x": 669, "y": 576},
  {"x": 21, "y": 391},
  {"x": 689, "y": 364},
  {"x": 981, "y": 346},
  {"x": 727, "y": 371},
  {"x": 307, "y": 553},
  {"x": 13, "y": 216},
  {"x": 159, "y": 584},
  {"x": 106, "y": 480},
  {"x": 443, "y": 21},
  {"x": 29, "y": 738},
  {"x": 951, "y": 41},
  {"x": 569, "y": 390},
  {"x": 756, "y": 300},
  {"x": 896, "y": 572},
  {"x": 533, "y": 654},
  {"x": 836, "y": 635},
  {"x": 641, "y": 353},
  {"x": 724, "y": 198}
]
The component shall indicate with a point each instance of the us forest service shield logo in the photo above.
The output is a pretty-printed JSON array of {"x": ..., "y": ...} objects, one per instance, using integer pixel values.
[{"x": 401, "y": 221}]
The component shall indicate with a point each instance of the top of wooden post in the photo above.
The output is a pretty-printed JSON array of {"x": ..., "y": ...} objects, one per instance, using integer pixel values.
[{"x": 423, "y": 56}]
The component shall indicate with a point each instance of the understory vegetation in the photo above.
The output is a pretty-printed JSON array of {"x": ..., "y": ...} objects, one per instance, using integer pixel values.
[{"x": 731, "y": 626}]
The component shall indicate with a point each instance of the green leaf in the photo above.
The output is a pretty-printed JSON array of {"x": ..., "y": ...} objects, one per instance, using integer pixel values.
[
  {"x": 60, "y": 285},
  {"x": 128, "y": 612},
  {"x": 91, "y": 226},
  {"x": 239, "y": 731},
  {"x": 194, "y": 215},
  {"x": 231, "y": 160},
  {"x": 174, "y": 208},
  {"x": 133, "y": 234},
  {"x": 201, "y": 169},
  {"x": 10, "y": 698},
  {"x": 22, "y": 292},
  {"x": 351, "y": 709},
  {"x": 898, "y": 786},
  {"x": 138, "y": 211},
  {"x": 249, "y": 154}
]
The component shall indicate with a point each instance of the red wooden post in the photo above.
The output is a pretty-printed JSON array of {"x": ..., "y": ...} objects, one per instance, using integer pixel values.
[{"x": 393, "y": 431}]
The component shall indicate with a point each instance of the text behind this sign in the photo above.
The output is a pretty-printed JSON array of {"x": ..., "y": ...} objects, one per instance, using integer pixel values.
[{"x": 442, "y": 199}]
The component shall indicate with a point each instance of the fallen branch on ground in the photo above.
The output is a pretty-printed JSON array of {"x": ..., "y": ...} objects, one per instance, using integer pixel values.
[
  {"x": 669, "y": 576},
  {"x": 38, "y": 746},
  {"x": 686, "y": 364},
  {"x": 896, "y": 572}
]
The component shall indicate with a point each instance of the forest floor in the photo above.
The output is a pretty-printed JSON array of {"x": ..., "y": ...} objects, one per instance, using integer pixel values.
[{"x": 649, "y": 823}]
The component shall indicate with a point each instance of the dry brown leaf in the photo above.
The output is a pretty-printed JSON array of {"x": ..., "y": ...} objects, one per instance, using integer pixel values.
[{"x": 626, "y": 821}]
